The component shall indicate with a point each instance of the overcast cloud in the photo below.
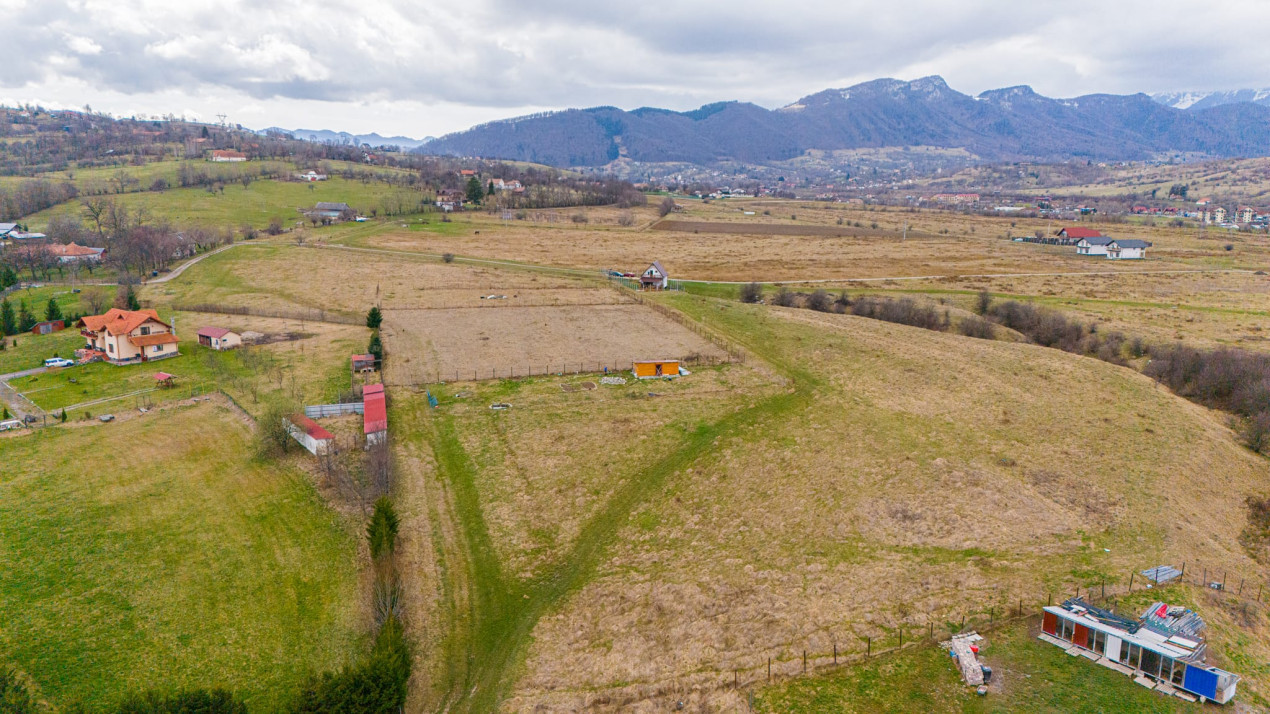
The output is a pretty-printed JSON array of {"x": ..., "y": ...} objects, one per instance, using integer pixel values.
[{"x": 428, "y": 68}]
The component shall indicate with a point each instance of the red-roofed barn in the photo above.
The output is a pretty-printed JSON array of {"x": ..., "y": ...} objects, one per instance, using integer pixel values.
[
  {"x": 375, "y": 414},
  {"x": 317, "y": 440}
]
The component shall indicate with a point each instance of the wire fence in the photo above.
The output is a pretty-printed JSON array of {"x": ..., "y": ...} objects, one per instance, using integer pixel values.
[
  {"x": 930, "y": 629},
  {"x": 735, "y": 351},
  {"x": 403, "y": 375},
  {"x": 307, "y": 314}
]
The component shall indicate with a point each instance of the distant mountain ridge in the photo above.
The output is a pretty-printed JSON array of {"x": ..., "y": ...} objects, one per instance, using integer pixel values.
[
  {"x": 1206, "y": 100},
  {"x": 339, "y": 137},
  {"x": 1013, "y": 123}
]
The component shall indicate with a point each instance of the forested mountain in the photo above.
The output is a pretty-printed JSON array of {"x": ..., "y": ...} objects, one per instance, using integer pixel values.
[{"x": 999, "y": 125}]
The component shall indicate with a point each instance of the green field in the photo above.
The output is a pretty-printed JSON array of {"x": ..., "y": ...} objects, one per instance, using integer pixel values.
[
  {"x": 256, "y": 204},
  {"x": 137, "y": 559}
]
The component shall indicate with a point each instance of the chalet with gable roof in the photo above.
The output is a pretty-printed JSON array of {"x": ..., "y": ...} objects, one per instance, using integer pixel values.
[
  {"x": 655, "y": 277},
  {"x": 127, "y": 336}
]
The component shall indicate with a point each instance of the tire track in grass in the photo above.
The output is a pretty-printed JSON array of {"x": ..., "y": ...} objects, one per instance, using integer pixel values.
[{"x": 503, "y": 612}]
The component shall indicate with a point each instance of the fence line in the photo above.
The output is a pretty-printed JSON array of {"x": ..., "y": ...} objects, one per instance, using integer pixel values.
[
  {"x": 734, "y": 350},
  {"x": 319, "y": 411},
  {"x": 457, "y": 373},
  {"x": 787, "y": 662},
  {"x": 308, "y": 315}
]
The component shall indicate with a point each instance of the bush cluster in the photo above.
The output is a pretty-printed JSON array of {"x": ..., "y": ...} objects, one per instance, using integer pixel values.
[
  {"x": 1237, "y": 381},
  {"x": 904, "y": 311}
]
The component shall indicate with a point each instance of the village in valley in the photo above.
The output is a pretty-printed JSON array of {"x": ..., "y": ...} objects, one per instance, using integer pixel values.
[{"x": 889, "y": 399}]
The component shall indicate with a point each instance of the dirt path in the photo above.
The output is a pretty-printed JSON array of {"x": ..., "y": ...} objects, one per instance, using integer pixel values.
[
  {"x": 181, "y": 268},
  {"x": 492, "y": 622}
]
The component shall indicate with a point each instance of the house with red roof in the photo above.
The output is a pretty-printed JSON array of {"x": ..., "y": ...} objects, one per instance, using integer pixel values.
[
  {"x": 219, "y": 338},
  {"x": 227, "y": 155},
  {"x": 315, "y": 439},
  {"x": 128, "y": 336}
]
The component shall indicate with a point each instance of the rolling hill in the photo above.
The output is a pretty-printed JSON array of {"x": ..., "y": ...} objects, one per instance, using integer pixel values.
[{"x": 1008, "y": 124}]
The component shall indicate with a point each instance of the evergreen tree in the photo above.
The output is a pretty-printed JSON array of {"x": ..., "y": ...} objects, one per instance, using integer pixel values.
[
  {"x": 7, "y": 277},
  {"x": 374, "y": 318},
  {"x": 376, "y": 347},
  {"x": 26, "y": 320},
  {"x": 8, "y": 321},
  {"x": 52, "y": 311},
  {"x": 474, "y": 191},
  {"x": 489, "y": 191},
  {"x": 133, "y": 304}
]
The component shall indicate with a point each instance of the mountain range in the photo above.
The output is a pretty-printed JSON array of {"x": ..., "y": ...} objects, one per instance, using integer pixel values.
[
  {"x": 1205, "y": 100},
  {"x": 1010, "y": 124},
  {"x": 340, "y": 137}
]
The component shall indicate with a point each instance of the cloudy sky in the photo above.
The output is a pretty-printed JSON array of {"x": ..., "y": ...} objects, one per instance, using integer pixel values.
[{"x": 429, "y": 67}]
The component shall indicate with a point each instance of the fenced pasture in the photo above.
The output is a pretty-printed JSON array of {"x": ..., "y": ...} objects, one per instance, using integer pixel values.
[{"x": 473, "y": 343}]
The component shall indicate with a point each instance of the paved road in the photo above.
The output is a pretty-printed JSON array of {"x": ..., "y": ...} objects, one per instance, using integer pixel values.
[
  {"x": 181, "y": 268},
  {"x": 18, "y": 405}
]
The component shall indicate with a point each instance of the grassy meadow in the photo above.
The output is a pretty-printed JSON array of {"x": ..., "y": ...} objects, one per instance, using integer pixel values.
[{"x": 157, "y": 553}]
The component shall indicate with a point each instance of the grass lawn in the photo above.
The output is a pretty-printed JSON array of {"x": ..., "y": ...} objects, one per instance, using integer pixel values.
[
  {"x": 27, "y": 351},
  {"x": 169, "y": 559},
  {"x": 311, "y": 369},
  {"x": 1030, "y": 676}
]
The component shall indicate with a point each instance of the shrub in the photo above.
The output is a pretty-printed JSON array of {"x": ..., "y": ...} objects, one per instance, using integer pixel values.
[
  {"x": 784, "y": 297},
  {"x": 625, "y": 219},
  {"x": 903, "y": 311},
  {"x": 193, "y": 701},
  {"x": 819, "y": 301},
  {"x": 14, "y": 697},
  {"x": 447, "y": 258},
  {"x": 272, "y": 436},
  {"x": 977, "y": 327},
  {"x": 1229, "y": 247},
  {"x": 374, "y": 318},
  {"x": 275, "y": 226},
  {"x": 382, "y": 529},
  {"x": 159, "y": 184},
  {"x": 983, "y": 302},
  {"x": 579, "y": 217},
  {"x": 249, "y": 231},
  {"x": 666, "y": 207},
  {"x": 375, "y": 686},
  {"x": 1256, "y": 432},
  {"x": 751, "y": 293}
]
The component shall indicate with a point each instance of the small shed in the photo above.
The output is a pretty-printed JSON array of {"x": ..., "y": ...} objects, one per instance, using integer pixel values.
[
  {"x": 48, "y": 327},
  {"x": 315, "y": 439},
  {"x": 364, "y": 363},
  {"x": 655, "y": 368},
  {"x": 164, "y": 380},
  {"x": 219, "y": 338},
  {"x": 374, "y": 414},
  {"x": 654, "y": 277}
]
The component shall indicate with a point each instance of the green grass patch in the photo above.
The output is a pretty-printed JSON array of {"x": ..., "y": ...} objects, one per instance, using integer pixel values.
[{"x": 156, "y": 553}]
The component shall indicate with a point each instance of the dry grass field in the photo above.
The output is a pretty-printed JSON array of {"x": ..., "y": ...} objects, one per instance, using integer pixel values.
[
  {"x": 479, "y": 343},
  {"x": 929, "y": 475},
  {"x": 939, "y": 244}
]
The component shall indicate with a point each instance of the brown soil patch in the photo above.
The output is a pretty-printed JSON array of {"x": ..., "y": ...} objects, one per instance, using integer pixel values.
[{"x": 443, "y": 345}]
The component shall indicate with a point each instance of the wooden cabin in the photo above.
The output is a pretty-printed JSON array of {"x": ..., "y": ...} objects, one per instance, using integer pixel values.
[{"x": 655, "y": 368}]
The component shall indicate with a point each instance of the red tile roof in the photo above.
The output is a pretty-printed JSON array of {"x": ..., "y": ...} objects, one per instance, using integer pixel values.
[
  {"x": 120, "y": 322},
  {"x": 310, "y": 427},
  {"x": 374, "y": 408},
  {"x": 1081, "y": 233}
]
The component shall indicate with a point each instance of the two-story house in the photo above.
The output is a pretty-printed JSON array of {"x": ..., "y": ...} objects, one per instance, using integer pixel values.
[{"x": 128, "y": 336}]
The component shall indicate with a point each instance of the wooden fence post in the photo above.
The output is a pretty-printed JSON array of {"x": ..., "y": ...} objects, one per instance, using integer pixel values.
[
  {"x": 769, "y": 669},
  {"x": 1241, "y": 587},
  {"x": 835, "y": 653},
  {"x": 901, "y": 637},
  {"x": 868, "y": 647},
  {"x": 1131, "y": 574},
  {"x": 804, "y": 661}
]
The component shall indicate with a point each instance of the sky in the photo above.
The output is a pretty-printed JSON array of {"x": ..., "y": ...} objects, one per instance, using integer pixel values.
[{"x": 429, "y": 68}]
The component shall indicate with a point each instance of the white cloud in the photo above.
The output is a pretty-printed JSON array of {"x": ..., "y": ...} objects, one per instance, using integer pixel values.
[
  {"x": 82, "y": 45},
  {"x": 397, "y": 66}
]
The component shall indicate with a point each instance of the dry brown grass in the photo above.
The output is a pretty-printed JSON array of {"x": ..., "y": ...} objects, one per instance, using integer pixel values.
[
  {"x": 932, "y": 474},
  {"x": 939, "y": 244},
  {"x": 474, "y": 343}
]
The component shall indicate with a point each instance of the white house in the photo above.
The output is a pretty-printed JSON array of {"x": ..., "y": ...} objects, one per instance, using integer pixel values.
[
  {"x": 1127, "y": 249},
  {"x": 311, "y": 176},
  {"x": 655, "y": 277},
  {"x": 219, "y": 338},
  {"x": 1095, "y": 245}
]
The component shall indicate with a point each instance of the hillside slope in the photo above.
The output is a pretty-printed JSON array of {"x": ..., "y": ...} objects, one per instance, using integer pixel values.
[
  {"x": 928, "y": 477},
  {"x": 1000, "y": 125}
]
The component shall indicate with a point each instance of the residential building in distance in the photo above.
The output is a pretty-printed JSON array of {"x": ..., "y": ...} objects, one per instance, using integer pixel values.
[
  {"x": 127, "y": 336},
  {"x": 655, "y": 277},
  {"x": 226, "y": 155},
  {"x": 1092, "y": 245},
  {"x": 1127, "y": 249}
]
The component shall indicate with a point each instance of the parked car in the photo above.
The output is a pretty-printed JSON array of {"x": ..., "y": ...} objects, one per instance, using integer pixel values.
[
  {"x": 107, "y": 417},
  {"x": 58, "y": 362}
]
